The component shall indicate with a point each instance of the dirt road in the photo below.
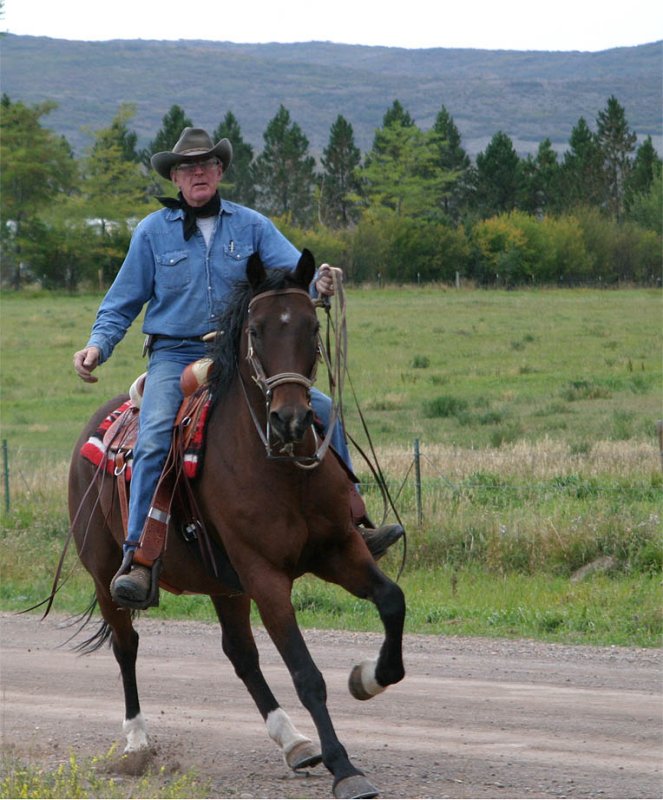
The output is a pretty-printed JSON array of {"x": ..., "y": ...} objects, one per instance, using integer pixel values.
[{"x": 473, "y": 717}]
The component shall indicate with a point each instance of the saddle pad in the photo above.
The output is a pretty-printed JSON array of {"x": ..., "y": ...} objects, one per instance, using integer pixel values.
[{"x": 98, "y": 449}]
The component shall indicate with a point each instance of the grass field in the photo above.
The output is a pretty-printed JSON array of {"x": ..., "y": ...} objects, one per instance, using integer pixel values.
[{"x": 536, "y": 416}]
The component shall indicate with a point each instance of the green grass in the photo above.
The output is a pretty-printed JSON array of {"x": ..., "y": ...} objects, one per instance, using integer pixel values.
[
  {"x": 90, "y": 778},
  {"x": 472, "y": 582},
  {"x": 536, "y": 414},
  {"x": 581, "y": 357}
]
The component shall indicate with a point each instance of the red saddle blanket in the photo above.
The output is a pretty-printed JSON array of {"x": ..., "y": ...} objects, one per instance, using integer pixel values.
[{"x": 117, "y": 432}]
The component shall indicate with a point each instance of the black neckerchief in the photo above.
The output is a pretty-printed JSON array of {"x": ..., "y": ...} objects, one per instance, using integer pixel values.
[{"x": 191, "y": 213}]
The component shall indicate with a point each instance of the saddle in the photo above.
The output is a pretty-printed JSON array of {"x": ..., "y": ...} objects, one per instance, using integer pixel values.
[{"x": 111, "y": 448}]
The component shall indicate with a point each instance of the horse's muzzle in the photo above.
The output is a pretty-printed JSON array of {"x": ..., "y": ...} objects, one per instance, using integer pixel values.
[{"x": 290, "y": 423}]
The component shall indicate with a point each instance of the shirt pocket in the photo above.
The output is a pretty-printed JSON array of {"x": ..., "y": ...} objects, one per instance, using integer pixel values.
[
  {"x": 235, "y": 252},
  {"x": 173, "y": 269}
]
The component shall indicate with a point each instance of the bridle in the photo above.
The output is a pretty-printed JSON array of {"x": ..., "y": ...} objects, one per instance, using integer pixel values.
[{"x": 267, "y": 384}]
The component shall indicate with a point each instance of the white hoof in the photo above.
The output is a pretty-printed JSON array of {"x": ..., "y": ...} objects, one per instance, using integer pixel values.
[
  {"x": 136, "y": 732},
  {"x": 298, "y": 750},
  {"x": 362, "y": 683}
]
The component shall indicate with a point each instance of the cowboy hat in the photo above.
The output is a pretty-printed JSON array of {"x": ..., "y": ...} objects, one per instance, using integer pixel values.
[{"x": 193, "y": 145}]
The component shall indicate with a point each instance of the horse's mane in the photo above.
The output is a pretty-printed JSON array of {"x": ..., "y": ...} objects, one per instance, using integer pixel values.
[{"x": 225, "y": 349}]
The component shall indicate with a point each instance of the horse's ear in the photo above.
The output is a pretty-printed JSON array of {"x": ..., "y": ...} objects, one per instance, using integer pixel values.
[
  {"x": 305, "y": 268},
  {"x": 255, "y": 271}
]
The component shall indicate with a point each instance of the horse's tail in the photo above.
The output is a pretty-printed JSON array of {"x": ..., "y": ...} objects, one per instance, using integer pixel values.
[{"x": 80, "y": 621}]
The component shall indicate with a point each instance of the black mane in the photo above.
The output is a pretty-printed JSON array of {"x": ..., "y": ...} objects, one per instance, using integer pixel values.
[{"x": 225, "y": 348}]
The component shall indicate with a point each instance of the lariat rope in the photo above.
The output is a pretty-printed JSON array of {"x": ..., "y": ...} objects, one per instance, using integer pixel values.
[{"x": 337, "y": 369}]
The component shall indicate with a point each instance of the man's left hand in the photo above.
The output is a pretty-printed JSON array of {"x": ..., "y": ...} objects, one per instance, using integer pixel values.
[{"x": 325, "y": 281}]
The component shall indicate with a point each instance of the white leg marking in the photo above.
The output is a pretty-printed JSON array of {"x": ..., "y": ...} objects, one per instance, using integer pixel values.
[
  {"x": 283, "y": 732},
  {"x": 368, "y": 680},
  {"x": 136, "y": 732}
]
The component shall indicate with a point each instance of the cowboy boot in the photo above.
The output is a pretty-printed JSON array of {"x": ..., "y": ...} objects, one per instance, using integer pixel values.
[
  {"x": 133, "y": 588},
  {"x": 379, "y": 540}
]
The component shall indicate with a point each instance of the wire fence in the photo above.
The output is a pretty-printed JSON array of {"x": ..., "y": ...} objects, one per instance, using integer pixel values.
[{"x": 422, "y": 480}]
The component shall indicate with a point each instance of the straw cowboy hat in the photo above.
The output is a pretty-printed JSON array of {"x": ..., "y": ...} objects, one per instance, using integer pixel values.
[{"x": 193, "y": 145}]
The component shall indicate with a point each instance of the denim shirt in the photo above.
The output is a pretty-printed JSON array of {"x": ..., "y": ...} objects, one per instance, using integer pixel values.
[{"x": 185, "y": 283}]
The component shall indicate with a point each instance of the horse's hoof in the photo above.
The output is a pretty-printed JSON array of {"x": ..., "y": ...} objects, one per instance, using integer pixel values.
[
  {"x": 302, "y": 756},
  {"x": 362, "y": 683},
  {"x": 354, "y": 786}
]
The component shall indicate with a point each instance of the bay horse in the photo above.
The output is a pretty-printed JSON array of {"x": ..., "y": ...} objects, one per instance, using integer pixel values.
[{"x": 275, "y": 519}]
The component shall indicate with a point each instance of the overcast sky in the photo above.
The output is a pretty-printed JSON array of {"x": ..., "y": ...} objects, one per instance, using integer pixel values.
[{"x": 484, "y": 24}]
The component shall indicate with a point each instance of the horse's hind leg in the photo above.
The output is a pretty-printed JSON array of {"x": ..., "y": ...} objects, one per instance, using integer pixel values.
[
  {"x": 102, "y": 560},
  {"x": 240, "y": 648},
  {"x": 124, "y": 641},
  {"x": 272, "y": 596}
]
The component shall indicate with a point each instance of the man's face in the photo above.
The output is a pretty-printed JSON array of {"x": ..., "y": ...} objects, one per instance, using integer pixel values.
[{"x": 197, "y": 180}]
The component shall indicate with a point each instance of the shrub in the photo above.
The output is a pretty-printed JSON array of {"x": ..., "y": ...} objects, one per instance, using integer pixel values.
[{"x": 445, "y": 406}]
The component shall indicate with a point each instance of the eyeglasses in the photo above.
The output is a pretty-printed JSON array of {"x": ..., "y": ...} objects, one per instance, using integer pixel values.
[{"x": 193, "y": 166}]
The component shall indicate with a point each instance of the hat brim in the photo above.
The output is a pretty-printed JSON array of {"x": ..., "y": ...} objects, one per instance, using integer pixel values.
[{"x": 164, "y": 162}]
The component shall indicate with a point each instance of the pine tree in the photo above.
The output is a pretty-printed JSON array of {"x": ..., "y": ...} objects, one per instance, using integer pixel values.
[
  {"x": 172, "y": 125},
  {"x": 497, "y": 176},
  {"x": 237, "y": 182},
  {"x": 284, "y": 172},
  {"x": 582, "y": 179},
  {"x": 646, "y": 168},
  {"x": 403, "y": 174},
  {"x": 540, "y": 181},
  {"x": 340, "y": 186},
  {"x": 617, "y": 142},
  {"x": 396, "y": 116},
  {"x": 454, "y": 160}
]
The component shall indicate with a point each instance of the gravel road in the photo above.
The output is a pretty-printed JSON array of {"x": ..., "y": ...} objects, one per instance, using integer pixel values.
[{"x": 473, "y": 718}]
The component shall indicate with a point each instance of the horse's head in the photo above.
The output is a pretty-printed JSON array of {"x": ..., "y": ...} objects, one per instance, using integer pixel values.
[{"x": 282, "y": 345}]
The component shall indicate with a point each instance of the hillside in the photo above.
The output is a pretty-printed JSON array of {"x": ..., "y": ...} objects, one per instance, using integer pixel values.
[{"x": 528, "y": 95}]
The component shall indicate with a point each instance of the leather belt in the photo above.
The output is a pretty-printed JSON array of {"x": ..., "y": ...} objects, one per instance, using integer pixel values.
[{"x": 157, "y": 336}]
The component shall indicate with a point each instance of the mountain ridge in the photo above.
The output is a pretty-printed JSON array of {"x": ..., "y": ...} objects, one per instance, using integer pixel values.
[{"x": 529, "y": 95}]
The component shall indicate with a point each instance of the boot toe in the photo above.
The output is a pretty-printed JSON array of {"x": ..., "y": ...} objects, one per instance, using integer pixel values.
[{"x": 133, "y": 587}]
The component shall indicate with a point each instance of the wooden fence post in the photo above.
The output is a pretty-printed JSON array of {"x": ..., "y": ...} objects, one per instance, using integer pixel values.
[
  {"x": 5, "y": 472},
  {"x": 417, "y": 481}
]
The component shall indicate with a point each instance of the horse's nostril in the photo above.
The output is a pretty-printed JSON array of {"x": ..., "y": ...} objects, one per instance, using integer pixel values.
[{"x": 291, "y": 423}]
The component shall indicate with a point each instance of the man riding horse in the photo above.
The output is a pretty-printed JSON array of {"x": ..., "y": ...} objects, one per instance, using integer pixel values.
[{"x": 182, "y": 263}]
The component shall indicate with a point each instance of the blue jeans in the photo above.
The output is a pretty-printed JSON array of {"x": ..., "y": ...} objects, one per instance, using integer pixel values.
[{"x": 162, "y": 398}]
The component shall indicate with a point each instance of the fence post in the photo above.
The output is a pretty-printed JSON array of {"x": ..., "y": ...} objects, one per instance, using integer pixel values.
[
  {"x": 417, "y": 481},
  {"x": 5, "y": 472}
]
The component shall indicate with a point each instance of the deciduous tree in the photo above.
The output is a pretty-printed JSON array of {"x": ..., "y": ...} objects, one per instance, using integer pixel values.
[{"x": 38, "y": 168}]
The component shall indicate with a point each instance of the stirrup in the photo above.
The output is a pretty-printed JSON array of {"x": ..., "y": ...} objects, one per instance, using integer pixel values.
[{"x": 152, "y": 599}]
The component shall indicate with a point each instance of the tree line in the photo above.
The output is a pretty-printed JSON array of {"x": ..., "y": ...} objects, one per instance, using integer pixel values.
[{"x": 415, "y": 207}]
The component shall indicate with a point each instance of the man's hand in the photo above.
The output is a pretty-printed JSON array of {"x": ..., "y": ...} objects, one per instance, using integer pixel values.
[
  {"x": 85, "y": 361},
  {"x": 325, "y": 281}
]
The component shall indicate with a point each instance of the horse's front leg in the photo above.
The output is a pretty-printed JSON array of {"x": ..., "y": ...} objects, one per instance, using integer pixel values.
[
  {"x": 298, "y": 750},
  {"x": 360, "y": 576},
  {"x": 272, "y": 596}
]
